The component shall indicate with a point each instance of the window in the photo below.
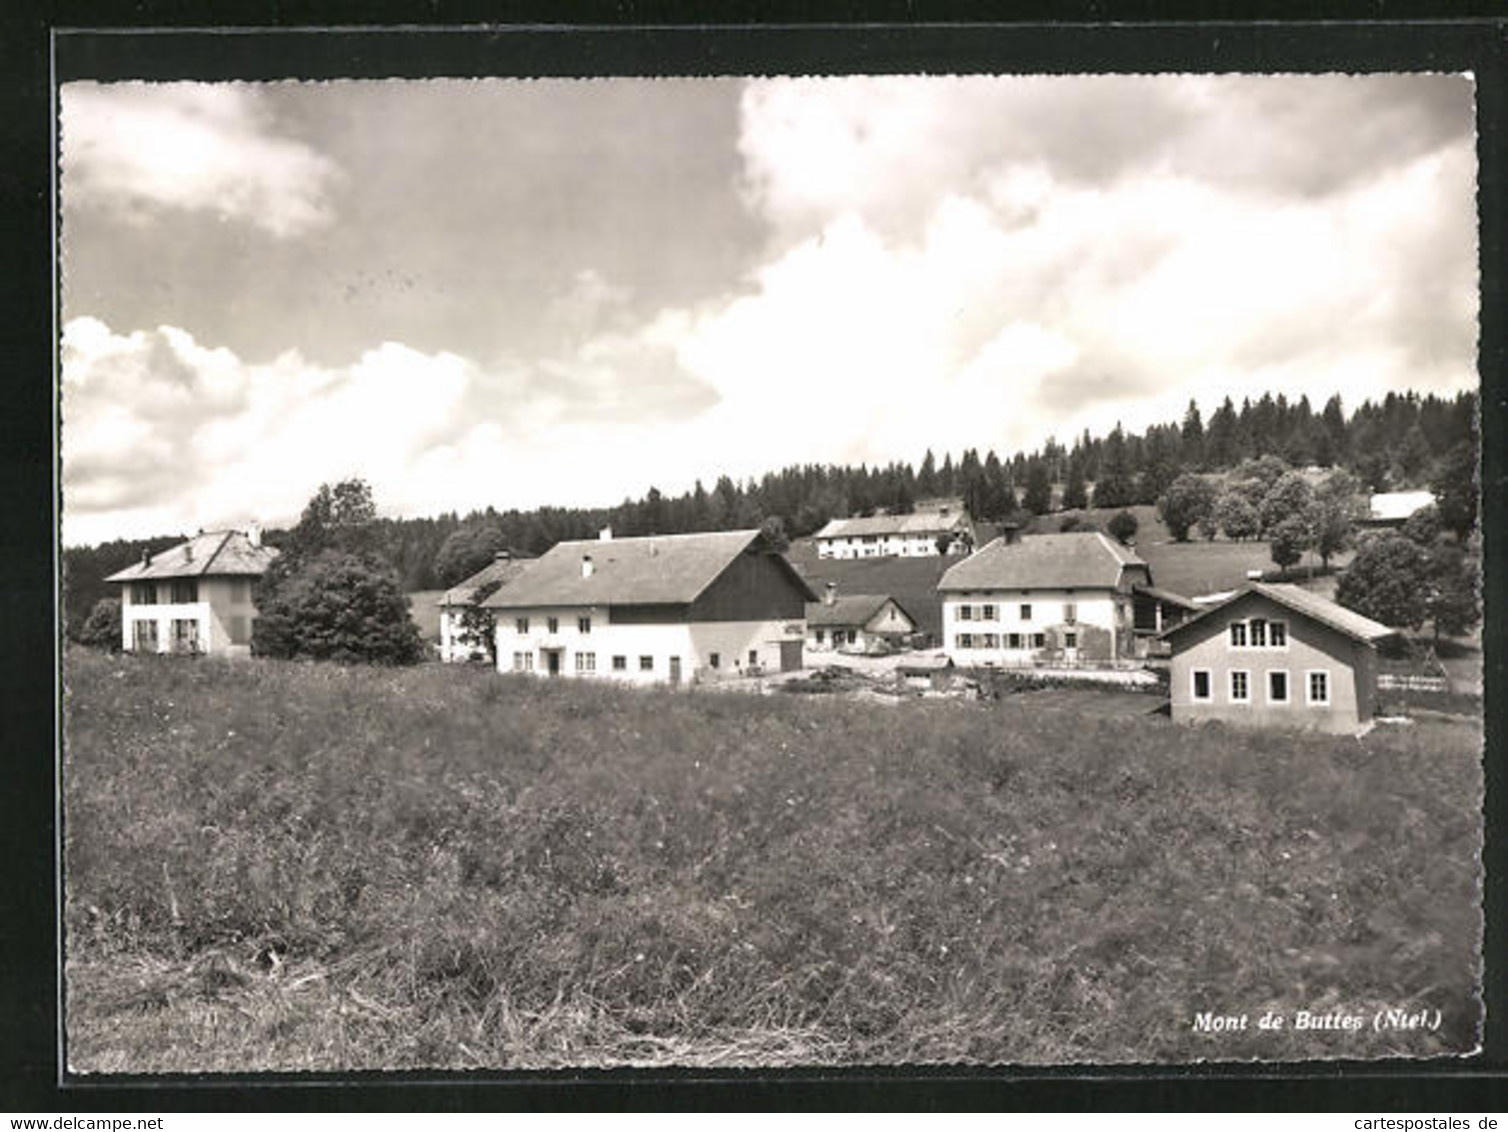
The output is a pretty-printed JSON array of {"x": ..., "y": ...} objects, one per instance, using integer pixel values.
[
  {"x": 583, "y": 624},
  {"x": 1026, "y": 612},
  {"x": 552, "y": 625},
  {"x": 1240, "y": 687},
  {"x": 753, "y": 658},
  {"x": 1319, "y": 687},
  {"x": 240, "y": 629},
  {"x": 1013, "y": 640},
  {"x": 1201, "y": 683},
  {"x": 1258, "y": 633},
  {"x": 185, "y": 635},
  {"x": 1039, "y": 640},
  {"x": 820, "y": 634},
  {"x": 523, "y": 662},
  {"x": 965, "y": 612},
  {"x": 521, "y": 625},
  {"x": 586, "y": 662},
  {"x": 185, "y": 590},
  {"x": 144, "y": 636},
  {"x": 965, "y": 640},
  {"x": 1277, "y": 687},
  {"x": 1070, "y": 640},
  {"x": 714, "y": 659},
  {"x": 990, "y": 640},
  {"x": 1070, "y": 612},
  {"x": 989, "y": 613},
  {"x": 1238, "y": 634},
  {"x": 1277, "y": 634},
  {"x": 240, "y": 590},
  {"x": 646, "y": 664},
  {"x": 620, "y": 664},
  {"x": 144, "y": 593}
]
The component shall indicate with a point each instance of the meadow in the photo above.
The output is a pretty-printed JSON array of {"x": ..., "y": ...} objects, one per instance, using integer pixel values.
[{"x": 277, "y": 866}]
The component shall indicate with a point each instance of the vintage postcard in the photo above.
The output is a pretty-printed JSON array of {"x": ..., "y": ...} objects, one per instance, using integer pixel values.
[{"x": 770, "y": 572}]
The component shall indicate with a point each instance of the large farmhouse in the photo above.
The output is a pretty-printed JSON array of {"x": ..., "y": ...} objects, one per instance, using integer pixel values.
[
  {"x": 1068, "y": 598},
  {"x": 457, "y": 641},
  {"x": 1276, "y": 655},
  {"x": 902, "y": 536},
  {"x": 856, "y": 622},
  {"x": 659, "y": 609},
  {"x": 194, "y": 597}
]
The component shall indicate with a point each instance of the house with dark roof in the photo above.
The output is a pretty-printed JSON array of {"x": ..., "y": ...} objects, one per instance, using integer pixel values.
[
  {"x": 1276, "y": 655},
  {"x": 856, "y": 622},
  {"x": 1041, "y": 600},
  {"x": 904, "y": 536},
  {"x": 457, "y": 643},
  {"x": 194, "y": 597},
  {"x": 656, "y": 609}
]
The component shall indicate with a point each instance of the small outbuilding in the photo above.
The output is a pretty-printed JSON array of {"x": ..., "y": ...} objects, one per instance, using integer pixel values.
[
  {"x": 458, "y": 640},
  {"x": 856, "y": 622},
  {"x": 1276, "y": 655}
]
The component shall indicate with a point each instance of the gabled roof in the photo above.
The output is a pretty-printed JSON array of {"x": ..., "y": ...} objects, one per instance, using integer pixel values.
[
  {"x": 653, "y": 570},
  {"x": 501, "y": 570},
  {"x": 1395, "y": 506},
  {"x": 849, "y": 609},
  {"x": 1076, "y": 560},
  {"x": 214, "y": 553},
  {"x": 1168, "y": 597},
  {"x": 919, "y": 523},
  {"x": 1304, "y": 602}
]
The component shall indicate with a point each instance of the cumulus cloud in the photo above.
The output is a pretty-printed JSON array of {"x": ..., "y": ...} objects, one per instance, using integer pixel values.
[{"x": 139, "y": 149}]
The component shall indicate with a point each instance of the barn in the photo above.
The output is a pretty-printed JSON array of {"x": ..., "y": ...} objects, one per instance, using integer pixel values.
[
  {"x": 657, "y": 609},
  {"x": 1276, "y": 655}
]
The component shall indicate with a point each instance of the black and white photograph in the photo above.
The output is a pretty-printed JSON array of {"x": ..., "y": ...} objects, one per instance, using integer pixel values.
[{"x": 763, "y": 573}]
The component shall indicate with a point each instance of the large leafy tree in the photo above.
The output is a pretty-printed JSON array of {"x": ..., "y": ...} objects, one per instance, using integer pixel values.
[
  {"x": 1189, "y": 500},
  {"x": 1122, "y": 526},
  {"x": 102, "y": 629},
  {"x": 1337, "y": 506},
  {"x": 1453, "y": 601},
  {"x": 329, "y": 595},
  {"x": 1455, "y": 486},
  {"x": 1236, "y": 514},
  {"x": 467, "y": 550},
  {"x": 1386, "y": 581},
  {"x": 1287, "y": 500}
]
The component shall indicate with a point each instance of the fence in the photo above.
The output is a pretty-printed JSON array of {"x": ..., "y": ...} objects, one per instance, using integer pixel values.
[{"x": 1393, "y": 682}]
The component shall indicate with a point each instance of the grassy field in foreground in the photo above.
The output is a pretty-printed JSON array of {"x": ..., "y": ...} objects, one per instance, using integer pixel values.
[{"x": 279, "y": 866}]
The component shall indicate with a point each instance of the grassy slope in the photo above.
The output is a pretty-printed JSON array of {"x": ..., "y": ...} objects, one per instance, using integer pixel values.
[{"x": 467, "y": 869}]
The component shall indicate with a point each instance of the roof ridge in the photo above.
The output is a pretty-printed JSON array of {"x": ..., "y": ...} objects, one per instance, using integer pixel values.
[{"x": 208, "y": 562}]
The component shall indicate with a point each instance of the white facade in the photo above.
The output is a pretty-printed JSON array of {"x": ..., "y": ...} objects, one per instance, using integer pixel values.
[
  {"x": 887, "y": 624},
  {"x": 581, "y": 641},
  {"x": 218, "y": 620},
  {"x": 454, "y": 644},
  {"x": 1012, "y": 627},
  {"x": 879, "y": 546}
]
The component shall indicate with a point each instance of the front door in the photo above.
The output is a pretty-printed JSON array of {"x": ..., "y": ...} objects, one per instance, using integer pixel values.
[
  {"x": 790, "y": 656},
  {"x": 1071, "y": 646},
  {"x": 552, "y": 661},
  {"x": 675, "y": 670}
]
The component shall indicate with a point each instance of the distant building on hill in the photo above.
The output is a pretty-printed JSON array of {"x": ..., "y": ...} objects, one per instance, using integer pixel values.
[
  {"x": 856, "y": 622},
  {"x": 658, "y": 609},
  {"x": 456, "y": 642},
  {"x": 1391, "y": 509},
  {"x": 1059, "y": 599},
  {"x": 194, "y": 597},
  {"x": 905, "y": 536},
  {"x": 1276, "y": 655}
]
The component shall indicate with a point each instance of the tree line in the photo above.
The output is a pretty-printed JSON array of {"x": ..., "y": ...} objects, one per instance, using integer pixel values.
[{"x": 1401, "y": 441}]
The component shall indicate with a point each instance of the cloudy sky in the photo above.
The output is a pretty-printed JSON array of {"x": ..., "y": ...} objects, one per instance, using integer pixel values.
[{"x": 517, "y": 293}]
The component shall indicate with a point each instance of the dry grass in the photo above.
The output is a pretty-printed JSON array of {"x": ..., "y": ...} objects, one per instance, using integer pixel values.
[{"x": 279, "y": 866}]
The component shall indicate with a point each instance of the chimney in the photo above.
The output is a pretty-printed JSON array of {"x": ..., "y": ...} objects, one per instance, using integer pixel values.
[
  {"x": 830, "y": 594},
  {"x": 188, "y": 552},
  {"x": 146, "y": 557},
  {"x": 605, "y": 534},
  {"x": 254, "y": 534},
  {"x": 586, "y": 566},
  {"x": 502, "y": 556}
]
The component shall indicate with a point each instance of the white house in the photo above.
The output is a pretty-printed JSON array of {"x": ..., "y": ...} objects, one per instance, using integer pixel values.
[
  {"x": 194, "y": 597},
  {"x": 657, "y": 609},
  {"x": 1048, "y": 599},
  {"x": 900, "y": 536},
  {"x": 456, "y": 642},
  {"x": 855, "y": 622},
  {"x": 1393, "y": 508}
]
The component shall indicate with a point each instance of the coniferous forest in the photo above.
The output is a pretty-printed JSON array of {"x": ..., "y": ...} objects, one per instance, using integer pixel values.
[{"x": 1401, "y": 441}]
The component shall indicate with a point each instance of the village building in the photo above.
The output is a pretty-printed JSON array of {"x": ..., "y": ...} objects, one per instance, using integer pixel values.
[
  {"x": 657, "y": 609},
  {"x": 1058, "y": 599},
  {"x": 1389, "y": 510},
  {"x": 1276, "y": 655},
  {"x": 458, "y": 641},
  {"x": 194, "y": 597},
  {"x": 856, "y": 622},
  {"x": 918, "y": 534}
]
